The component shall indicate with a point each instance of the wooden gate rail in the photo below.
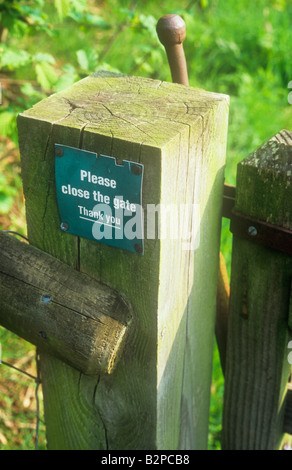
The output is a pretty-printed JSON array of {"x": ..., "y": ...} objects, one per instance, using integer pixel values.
[
  {"x": 257, "y": 367},
  {"x": 60, "y": 310}
]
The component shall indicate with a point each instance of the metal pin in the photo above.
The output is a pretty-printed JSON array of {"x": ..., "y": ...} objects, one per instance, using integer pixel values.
[
  {"x": 64, "y": 226},
  {"x": 136, "y": 169},
  {"x": 171, "y": 30}
]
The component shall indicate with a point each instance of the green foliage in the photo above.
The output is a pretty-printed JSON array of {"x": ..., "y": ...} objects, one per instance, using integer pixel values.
[
  {"x": 63, "y": 8},
  {"x": 217, "y": 394},
  {"x": 7, "y": 195},
  {"x": 87, "y": 60},
  {"x": 230, "y": 48},
  {"x": 17, "y": 396}
]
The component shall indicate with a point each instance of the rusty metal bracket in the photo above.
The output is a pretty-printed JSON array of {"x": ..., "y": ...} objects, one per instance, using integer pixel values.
[
  {"x": 228, "y": 200},
  {"x": 250, "y": 228},
  {"x": 263, "y": 233}
]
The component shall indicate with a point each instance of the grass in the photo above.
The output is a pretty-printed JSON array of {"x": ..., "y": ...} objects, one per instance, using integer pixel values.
[
  {"x": 240, "y": 48},
  {"x": 18, "y": 404},
  {"x": 19, "y": 396}
]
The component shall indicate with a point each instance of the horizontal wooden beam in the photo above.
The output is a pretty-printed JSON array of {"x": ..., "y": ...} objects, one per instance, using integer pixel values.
[{"x": 60, "y": 310}]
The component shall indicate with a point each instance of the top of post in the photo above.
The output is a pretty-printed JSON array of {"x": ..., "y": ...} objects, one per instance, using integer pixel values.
[
  {"x": 171, "y": 30},
  {"x": 267, "y": 172},
  {"x": 129, "y": 108}
]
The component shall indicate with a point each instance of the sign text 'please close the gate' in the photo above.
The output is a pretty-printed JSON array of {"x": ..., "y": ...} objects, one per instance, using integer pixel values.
[{"x": 99, "y": 199}]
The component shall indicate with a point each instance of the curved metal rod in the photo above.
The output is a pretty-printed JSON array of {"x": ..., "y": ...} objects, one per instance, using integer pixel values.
[{"x": 171, "y": 30}]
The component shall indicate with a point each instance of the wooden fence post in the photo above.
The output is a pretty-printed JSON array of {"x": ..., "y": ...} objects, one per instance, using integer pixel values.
[
  {"x": 257, "y": 367},
  {"x": 158, "y": 395}
]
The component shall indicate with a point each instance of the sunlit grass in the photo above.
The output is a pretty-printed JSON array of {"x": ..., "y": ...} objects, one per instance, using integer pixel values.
[{"x": 18, "y": 396}]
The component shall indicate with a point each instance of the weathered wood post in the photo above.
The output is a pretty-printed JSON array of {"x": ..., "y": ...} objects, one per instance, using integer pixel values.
[
  {"x": 257, "y": 366},
  {"x": 60, "y": 310},
  {"x": 157, "y": 397}
]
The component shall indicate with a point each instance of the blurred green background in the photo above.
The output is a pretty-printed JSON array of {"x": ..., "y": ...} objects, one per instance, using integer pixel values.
[{"x": 238, "y": 47}]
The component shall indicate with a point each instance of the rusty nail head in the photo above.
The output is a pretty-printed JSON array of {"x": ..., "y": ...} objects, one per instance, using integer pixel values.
[
  {"x": 138, "y": 248},
  {"x": 136, "y": 169}
]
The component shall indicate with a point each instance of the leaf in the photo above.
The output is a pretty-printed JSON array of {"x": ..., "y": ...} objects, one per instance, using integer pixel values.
[
  {"x": 6, "y": 202},
  {"x": 33, "y": 95},
  {"x": 7, "y": 122},
  {"x": 10, "y": 20},
  {"x": 79, "y": 5},
  {"x": 44, "y": 57},
  {"x": 63, "y": 8},
  {"x": 149, "y": 23},
  {"x": 14, "y": 59},
  {"x": 33, "y": 16},
  {"x": 129, "y": 14},
  {"x": 87, "y": 59},
  {"x": 46, "y": 75},
  {"x": 82, "y": 59},
  {"x": 96, "y": 20}
]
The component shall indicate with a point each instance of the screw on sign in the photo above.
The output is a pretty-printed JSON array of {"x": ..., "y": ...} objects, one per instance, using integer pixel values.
[
  {"x": 59, "y": 152},
  {"x": 137, "y": 170},
  {"x": 252, "y": 231},
  {"x": 64, "y": 226}
]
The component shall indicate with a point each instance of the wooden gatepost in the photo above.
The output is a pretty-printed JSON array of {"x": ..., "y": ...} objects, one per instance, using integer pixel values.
[
  {"x": 97, "y": 144},
  {"x": 257, "y": 396}
]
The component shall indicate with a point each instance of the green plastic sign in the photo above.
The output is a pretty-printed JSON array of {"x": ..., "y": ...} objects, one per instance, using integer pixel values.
[{"x": 99, "y": 199}]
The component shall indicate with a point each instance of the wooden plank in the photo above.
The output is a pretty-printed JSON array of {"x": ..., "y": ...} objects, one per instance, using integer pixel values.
[
  {"x": 257, "y": 367},
  {"x": 158, "y": 396},
  {"x": 60, "y": 310}
]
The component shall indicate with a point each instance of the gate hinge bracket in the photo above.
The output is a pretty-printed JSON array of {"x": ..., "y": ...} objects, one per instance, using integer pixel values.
[{"x": 250, "y": 228}]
